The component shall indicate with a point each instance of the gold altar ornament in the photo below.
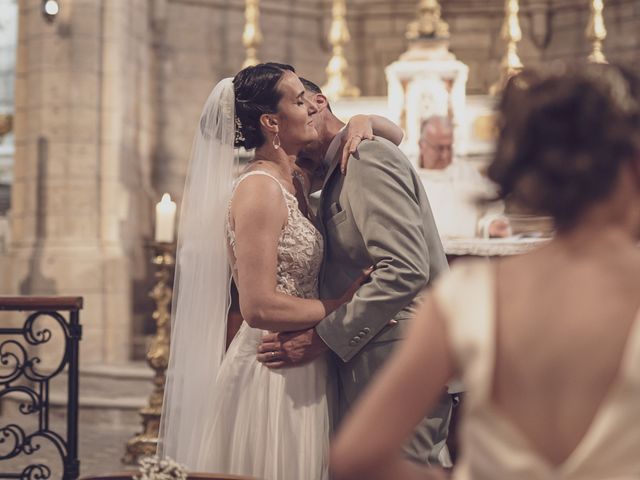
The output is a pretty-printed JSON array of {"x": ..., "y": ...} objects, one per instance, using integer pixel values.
[
  {"x": 596, "y": 31},
  {"x": 251, "y": 36},
  {"x": 511, "y": 34},
  {"x": 145, "y": 443},
  {"x": 6, "y": 124},
  {"x": 485, "y": 128},
  {"x": 338, "y": 84},
  {"x": 429, "y": 23}
]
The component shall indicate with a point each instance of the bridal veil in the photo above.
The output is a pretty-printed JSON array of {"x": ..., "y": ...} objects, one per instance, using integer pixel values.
[{"x": 202, "y": 280}]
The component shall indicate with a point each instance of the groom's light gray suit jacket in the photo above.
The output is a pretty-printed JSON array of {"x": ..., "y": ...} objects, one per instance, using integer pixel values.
[{"x": 377, "y": 214}]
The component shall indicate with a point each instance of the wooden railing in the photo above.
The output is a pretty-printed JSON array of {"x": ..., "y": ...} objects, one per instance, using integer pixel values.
[{"x": 26, "y": 378}]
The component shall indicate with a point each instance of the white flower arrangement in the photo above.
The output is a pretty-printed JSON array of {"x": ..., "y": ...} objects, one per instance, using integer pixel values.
[{"x": 155, "y": 468}]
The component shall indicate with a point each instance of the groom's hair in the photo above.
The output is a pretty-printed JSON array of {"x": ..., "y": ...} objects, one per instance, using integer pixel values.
[
  {"x": 256, "y": 93},
  {"x": 312, "y": 87},
  {"x": 309, "y": 85}
]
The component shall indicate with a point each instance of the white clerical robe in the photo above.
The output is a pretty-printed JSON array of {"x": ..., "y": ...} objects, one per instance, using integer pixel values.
[{"x": 452, "y": 194}]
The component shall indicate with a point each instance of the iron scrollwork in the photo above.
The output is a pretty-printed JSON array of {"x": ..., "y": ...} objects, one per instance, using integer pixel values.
[{"x": 25, "y": 378}]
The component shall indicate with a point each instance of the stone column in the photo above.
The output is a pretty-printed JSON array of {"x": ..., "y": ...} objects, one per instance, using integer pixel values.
[{"x": 81, "y": 195}]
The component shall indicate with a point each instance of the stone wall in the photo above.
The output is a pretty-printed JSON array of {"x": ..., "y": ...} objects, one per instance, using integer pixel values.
[{"x": 81, "y": 193}]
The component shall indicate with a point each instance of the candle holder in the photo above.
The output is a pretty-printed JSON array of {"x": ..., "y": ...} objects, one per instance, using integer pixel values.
[
  {"x": 146, "y": 442},
  {"x": 251, "y": 36},
  {"x": 596, "y": 31},
  {"x": 338, "y": 84},
  {"x": 511, "y": 34}
]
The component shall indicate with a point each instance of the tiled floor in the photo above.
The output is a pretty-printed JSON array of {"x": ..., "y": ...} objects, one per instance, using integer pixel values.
[{"x": 100, "y": 448}]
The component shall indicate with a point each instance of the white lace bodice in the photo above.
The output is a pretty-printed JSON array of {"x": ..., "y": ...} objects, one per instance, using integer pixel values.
[{"x": 300, "y": 247}]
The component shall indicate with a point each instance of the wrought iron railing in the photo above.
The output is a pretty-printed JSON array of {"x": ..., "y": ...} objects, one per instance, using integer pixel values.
[{"x": 26, "y": 379}]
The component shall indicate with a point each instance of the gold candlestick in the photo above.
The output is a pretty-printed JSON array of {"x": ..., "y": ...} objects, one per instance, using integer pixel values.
[
  {"x": 251, "y": 36},
  {"x": 145, "y": 443},
  {"x": 429, "y": 23},
  {"x": 338, "y": 84},
  {"x": 511, "y": 34},
  {"x": 596, "y": 31}
]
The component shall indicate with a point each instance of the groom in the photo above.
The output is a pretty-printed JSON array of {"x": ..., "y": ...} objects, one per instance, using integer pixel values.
[{"x": 377, "y": 214}]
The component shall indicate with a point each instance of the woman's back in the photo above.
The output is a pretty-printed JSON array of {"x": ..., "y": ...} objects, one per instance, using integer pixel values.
[{"x": 563, "y": 318}]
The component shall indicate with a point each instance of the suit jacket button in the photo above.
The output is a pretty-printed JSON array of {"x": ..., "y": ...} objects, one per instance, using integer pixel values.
[
  {"x": 366, "y": 330},
  {"x": 352, "y": 342}
]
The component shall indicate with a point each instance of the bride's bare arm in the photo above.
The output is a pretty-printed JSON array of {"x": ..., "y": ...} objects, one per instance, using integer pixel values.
[
  {"x": 259, "y": 212},
  {"x": 384, "y": 418},
  {"x": 362, "y": 127},
  {"x": 383, "y": 127}
]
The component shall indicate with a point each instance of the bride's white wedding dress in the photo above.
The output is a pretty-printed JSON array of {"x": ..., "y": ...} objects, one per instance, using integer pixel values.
[{"x": 272, "y": 424}]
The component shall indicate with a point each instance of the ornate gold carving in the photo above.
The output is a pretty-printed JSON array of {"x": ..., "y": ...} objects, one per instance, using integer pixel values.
[
  {"x": 485, "y": 128},
  {"x": 251, "y": 36},
  {"x": 596, "y": 31},
  {"x": 511, "y": 34},
  {"x": 338, "y": 84},
  {"x": 146, "y": 442},
  {"x": 429, "y": 23},
  {"x": 6, "y": 124}
]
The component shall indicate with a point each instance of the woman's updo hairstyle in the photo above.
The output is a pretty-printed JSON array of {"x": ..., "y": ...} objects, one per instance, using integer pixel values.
[
  {"x": 256, "y": 94},
  {"x": 563, "y": 137}
]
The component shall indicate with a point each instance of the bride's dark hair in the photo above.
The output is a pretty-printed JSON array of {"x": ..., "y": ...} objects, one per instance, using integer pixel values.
[
  {"x": 563, "y": 137},
  {"x": 256, "y": 93}
]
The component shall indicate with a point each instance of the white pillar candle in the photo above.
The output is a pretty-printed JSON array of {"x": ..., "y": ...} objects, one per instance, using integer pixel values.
[{"x": 165, "y": 219}]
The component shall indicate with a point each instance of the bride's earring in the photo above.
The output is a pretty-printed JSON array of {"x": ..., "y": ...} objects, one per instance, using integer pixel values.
[{"x": 276, "y": 141}]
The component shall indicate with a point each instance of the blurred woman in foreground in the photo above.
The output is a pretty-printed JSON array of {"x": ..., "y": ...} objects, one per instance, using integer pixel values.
[{"x": 547, "y": 343}]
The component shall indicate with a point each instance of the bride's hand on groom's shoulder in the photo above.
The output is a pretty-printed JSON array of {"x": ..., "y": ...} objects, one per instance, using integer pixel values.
[
  {"x": 288, "y": 349},
  {"x": 359, "y": 128}
]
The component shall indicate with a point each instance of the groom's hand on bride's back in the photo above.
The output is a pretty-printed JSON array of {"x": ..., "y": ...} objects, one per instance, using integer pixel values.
[{"x": 288, "y": 349}]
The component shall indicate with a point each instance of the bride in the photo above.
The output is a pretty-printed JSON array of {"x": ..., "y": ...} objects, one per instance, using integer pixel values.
[{"x": 223, "y": 411}]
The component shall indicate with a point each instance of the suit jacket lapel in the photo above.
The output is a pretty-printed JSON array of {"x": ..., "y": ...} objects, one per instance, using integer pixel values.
[
  {"x": 323, "y": 194},
  {"x": 333, "y": 167},
  {"x": 335, "y": 161}
]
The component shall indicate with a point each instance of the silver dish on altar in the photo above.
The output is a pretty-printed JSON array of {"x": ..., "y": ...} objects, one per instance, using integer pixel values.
[{"x": 491, "y": 247}]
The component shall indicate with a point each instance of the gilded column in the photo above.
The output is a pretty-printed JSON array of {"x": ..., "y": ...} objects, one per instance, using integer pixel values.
[
  {"x": 511, "y": 34},
  {"x": 251, "y": 36},
  {"x": 596, "y": 31},
  {"x": 338, "y": 84}
]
